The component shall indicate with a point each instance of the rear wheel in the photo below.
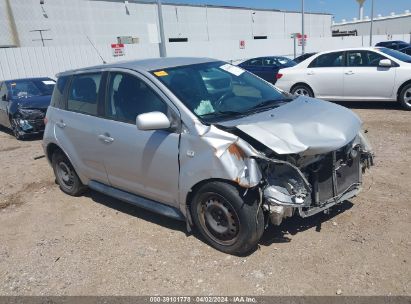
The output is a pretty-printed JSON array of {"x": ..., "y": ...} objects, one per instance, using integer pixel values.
[
  {"x": 66, "y": 176},
  {"x": 303, "y": 90},
  {"x": 227, "y": 222},
  {"x": 405, "y": 97}
]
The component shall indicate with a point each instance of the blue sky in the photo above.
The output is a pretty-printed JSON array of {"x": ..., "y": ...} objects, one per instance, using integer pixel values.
[{"x": 342, "y": 9}]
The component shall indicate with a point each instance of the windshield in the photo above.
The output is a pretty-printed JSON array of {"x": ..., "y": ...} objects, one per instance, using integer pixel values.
[
  {"x": 29, "y": 88},
  {"x": 397, "y": 55},
  {"x": 216, "y": 91}
]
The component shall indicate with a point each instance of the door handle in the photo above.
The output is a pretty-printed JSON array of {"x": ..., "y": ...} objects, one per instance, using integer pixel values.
[
  {"x": 310, "y": 73},
  {"x": 106, "y": 138},
  {"x": 61, "y": 124},
  {"x": 349, "y": 73}
]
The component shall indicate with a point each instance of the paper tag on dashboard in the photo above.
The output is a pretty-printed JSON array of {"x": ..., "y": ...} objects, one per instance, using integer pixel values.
[
  {"x": 48, "y": 82},
  {"x": 232, "y": 69}
]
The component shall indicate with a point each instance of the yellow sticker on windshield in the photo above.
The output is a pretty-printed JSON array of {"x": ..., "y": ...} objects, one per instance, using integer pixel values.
[{"x": 161, "y": 73}]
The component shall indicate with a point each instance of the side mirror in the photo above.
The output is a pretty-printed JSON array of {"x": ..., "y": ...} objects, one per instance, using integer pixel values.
[
  {"x": 4, "y": 97},
  {"x": 152, "y": 121},
  {"x": 386, "y": 63}
]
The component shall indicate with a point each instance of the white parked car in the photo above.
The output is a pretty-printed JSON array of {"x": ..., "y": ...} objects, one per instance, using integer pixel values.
[{"x": 368, "y": 74}]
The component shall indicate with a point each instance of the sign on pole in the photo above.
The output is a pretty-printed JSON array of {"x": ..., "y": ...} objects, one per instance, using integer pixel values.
[
  {"x": 301, "y": 40},
  {"x": 118, "y": 49}
]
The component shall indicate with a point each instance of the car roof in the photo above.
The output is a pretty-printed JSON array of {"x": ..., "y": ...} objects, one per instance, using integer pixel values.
[
  {"x": 362, "y": 48},
  {"x": 147, "y": 65},
  {"x": 27, "y": 79}
]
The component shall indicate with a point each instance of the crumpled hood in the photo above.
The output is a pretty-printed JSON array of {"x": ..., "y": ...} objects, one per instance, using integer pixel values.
[
  {"x": 305, "y": 126},
  {"x": 34, "y": 102}
]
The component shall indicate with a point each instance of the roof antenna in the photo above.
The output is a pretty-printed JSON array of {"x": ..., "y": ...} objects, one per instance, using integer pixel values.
[{"x": 101, "y": 57}]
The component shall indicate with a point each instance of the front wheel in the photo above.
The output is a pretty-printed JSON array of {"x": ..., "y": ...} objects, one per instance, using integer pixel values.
[
  {"x": 302, "y": 90},
  {"x": 405, "y": 97},
  {"x": 226, "y": 221}
]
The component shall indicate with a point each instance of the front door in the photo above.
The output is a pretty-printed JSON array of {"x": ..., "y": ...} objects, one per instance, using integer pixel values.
[
  {"x": 141, "y": 162},
  {"x": 364, "y": 79},
  {"x": 4, "y": 120}
]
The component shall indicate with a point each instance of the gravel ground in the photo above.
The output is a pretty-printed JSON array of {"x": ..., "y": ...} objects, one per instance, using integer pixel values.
[{"x": 54, "y": 244}]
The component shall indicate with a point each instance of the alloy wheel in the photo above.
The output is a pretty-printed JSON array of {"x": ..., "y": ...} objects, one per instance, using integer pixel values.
[{"x": 407, "y": 97}]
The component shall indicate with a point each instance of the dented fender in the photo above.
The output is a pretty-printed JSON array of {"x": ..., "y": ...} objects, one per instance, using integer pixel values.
[{"x": 215, "y": 154}]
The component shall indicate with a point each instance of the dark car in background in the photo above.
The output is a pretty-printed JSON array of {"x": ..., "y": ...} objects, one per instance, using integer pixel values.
[
  {"x": 303, "y": 57},
  {"x": 406, "y": 50},
  {"x": 23, "y": 104},
  {"x": 267, "y": 67},
  {"x": 395, "y": 44}
]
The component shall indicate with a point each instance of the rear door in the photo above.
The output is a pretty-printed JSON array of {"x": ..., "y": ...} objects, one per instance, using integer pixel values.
[
  {"x": 79, "y": 124},
  {"x": 325, "y": 75},
  {"x": 364, "y": 79},
  {"x": 140, "y": 162}
]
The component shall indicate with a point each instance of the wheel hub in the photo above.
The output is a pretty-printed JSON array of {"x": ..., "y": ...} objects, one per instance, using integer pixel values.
[
  {"x": 219, "y": 220},
  {"x": 65, "y": 174}
]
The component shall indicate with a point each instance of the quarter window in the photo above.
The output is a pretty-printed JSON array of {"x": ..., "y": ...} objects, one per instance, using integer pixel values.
[
  {"x": 128, "y": 97},
  {"x": 83, "y": 93},
  {"x": 57, "y": 99},
  {"x": 328, "y": 60}
]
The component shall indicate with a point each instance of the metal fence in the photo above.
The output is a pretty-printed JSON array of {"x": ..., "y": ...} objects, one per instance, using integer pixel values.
[{"x": 48, "y": 61}]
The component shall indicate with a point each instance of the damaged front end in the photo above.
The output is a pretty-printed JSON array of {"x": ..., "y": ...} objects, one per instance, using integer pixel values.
[
  {"x": 311, "y": 184},
  {"x": 28, "y": 121}
]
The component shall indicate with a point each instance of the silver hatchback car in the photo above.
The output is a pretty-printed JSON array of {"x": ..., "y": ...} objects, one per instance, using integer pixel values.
[{"x": 203, "y": 141}]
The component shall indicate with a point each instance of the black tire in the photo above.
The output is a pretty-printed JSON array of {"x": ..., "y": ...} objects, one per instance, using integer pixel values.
[
  {"x": 225, "y": 220},
  {"x": 302, "y": 89},
  {"x": 405, "y": 97},
  {"x": 66, "y": 176}
]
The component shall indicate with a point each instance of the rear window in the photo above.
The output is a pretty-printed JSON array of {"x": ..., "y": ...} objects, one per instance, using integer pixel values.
[
  {"x": 83, "y": 93},
  {"x": 57, "y": 99}
]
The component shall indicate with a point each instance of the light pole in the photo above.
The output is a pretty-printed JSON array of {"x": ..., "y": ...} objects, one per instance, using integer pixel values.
[
  {"x": 162, "y": 44},
  {"x": 302, "y": 27},
  {"x": 372, "y": 21}
]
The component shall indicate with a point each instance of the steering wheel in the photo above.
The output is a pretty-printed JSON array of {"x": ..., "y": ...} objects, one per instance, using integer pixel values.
[{"x": 223, "y": 97}]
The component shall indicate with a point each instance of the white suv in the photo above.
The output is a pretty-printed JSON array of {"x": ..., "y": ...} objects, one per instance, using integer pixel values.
[{"x": 369, "y": 74}]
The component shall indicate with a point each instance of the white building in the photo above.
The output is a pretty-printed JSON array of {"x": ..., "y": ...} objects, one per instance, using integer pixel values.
[
  {"x": 70, "y": 22},
  {"x": 382, "y": 25}
]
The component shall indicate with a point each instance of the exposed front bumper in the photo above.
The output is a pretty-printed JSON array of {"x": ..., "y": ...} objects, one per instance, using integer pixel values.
[{"x": 334, "y": 178}]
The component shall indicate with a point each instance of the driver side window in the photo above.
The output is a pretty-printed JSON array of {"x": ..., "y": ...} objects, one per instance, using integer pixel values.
[{"x": 128, "y": 97}]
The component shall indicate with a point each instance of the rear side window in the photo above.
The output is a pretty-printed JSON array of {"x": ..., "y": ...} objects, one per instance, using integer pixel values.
[
  {"x": 128, "y": 96},
  {"x": 57, "y": 99},
  {"x": 328, "y": 60},
  {"x": 83, "y": 93}
]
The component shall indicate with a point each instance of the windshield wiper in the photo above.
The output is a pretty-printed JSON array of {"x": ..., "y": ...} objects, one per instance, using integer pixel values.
[
  {"x": 223, "y": 114},
  {"x": 271, "y": 103}
]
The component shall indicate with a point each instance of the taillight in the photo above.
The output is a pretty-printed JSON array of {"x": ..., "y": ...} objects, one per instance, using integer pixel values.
[
  {"x": 278, "y": 76},
  {"x": 45, "y": 120}
]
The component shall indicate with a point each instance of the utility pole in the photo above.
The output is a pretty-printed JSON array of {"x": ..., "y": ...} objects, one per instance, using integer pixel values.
[
  {"x": 302, "y": 27},
  {"x": 42, "y": 39},
  {"x": 372, "y": 21},
  {"x": 162, "y": 44}
]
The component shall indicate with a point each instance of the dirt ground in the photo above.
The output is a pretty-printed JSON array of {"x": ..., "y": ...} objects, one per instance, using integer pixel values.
[{"x": 54, "y": 244}]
